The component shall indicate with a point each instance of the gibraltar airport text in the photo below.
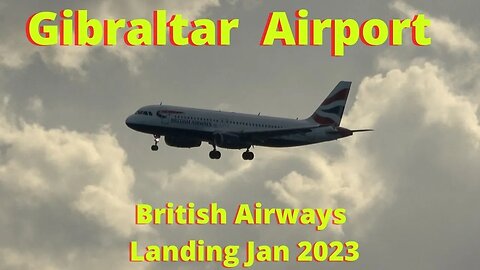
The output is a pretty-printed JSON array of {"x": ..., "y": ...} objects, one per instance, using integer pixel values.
[
  {"x": 75, "y": 28},
  {"x": 249, "y": 253}
]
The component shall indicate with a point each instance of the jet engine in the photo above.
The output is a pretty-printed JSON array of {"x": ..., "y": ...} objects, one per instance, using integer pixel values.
[{"x": 182, "y": 142}]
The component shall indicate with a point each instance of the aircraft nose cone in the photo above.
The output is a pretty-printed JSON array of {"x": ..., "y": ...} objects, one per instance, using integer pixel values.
[{"x": 129, "y": 121}]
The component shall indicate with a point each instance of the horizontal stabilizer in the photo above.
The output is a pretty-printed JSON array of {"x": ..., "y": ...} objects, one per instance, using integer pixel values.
[
  {"x": 361, "y": 130},
  {"x": 347, "y": 132}
]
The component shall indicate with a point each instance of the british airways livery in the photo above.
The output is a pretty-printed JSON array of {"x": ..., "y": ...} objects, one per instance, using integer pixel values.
[{"x": 187, "y": 127}]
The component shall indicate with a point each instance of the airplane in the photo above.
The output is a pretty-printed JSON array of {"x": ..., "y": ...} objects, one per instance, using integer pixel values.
[{"x": 188, "y": 127}]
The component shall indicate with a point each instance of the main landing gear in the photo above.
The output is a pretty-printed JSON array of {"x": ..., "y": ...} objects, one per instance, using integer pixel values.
[
  {"x": 247, "y": 155},
  {"x": 215, "y": 154},
  {"x": 155, "y": 145}
]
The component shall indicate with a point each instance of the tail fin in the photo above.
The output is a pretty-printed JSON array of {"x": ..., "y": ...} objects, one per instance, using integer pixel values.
[{"x": 331, "y": 110}]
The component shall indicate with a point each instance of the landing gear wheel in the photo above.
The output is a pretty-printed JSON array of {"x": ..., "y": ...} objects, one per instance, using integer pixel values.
[
  {"x": 154, "y": 147},
  {"x": 214, "y": 154},
  {"x": 248, "y": 155}
]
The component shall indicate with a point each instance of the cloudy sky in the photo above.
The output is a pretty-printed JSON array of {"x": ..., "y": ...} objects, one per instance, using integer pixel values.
[{"x": 71, "y": 171}]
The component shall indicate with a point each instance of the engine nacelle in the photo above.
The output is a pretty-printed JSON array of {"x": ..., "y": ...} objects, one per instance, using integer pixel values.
[
  {"x": 182, "y": 142},
  {"x": 228, "y": 140}
]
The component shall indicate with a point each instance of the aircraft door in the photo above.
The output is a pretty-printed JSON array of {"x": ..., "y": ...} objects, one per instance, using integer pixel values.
[{"x": 164, "y": 117}]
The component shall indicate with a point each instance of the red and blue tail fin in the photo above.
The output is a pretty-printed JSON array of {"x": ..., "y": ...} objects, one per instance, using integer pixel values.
[{"x": 331, "y": 110}]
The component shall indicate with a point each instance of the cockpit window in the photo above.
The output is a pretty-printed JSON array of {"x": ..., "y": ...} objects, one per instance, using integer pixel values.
[{"x": 143, "y": 112}]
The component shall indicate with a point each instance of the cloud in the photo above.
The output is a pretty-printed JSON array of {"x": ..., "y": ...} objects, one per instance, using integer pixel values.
[
  {"x": 442, "y": 31},
  {"x": 35, "y": 106},
  {"x": 426, "y": 145},
  {"x": 420, "y": 85},
  {"x": 58, "y": 187},
  {"x": 13, "y": 259}
]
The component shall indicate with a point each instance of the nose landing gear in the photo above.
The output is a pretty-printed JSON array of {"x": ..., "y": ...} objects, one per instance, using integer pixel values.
[{"x": 155, "y": 145}]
